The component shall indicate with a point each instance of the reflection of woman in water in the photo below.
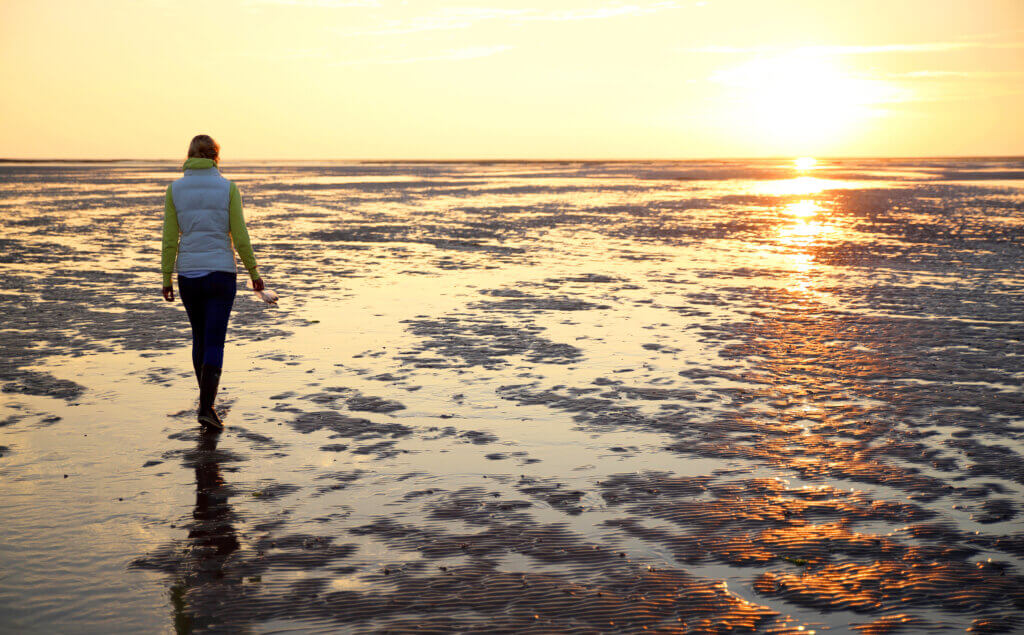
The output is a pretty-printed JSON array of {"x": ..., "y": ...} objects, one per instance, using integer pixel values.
[
  {"x": 213, "y": 540},
  {"x": 212, "y": 532},
  {"x": 205, "y": 210}
]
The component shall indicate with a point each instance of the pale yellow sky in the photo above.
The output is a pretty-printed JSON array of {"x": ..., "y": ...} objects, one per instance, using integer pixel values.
[{"x": 337, "y": 79}]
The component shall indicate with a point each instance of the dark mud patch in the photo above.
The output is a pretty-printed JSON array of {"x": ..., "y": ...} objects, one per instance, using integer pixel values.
[
  {"x": 338, "y": 480},
  {"x": 481, "y": 336},
  {"x": 555, "y": 494},
  {"x": 382, "y": 449},
  {"x": 163, "y": 376},
  {"x": 258, "y": 441},
  {"x": 345, "y": 426},
  {"x": 269, "y": 491},
  {"x": 31, "y": 382},
  {"x": 866, "y": 588},
  {"x": 333, "y": 447},
  {"x": 476, "y": 437},
  {"x": 997, "y": 510},
  {"x": 631, "y": 488},
  {"x": 499, "y": 533},
  {"x": 204, "y": 560},
  {"x": 373, "y": 404},
  {"x": 515, "y": 300},
  {"x": 587, "y": 278},
  {"x": 451, "y": 342},
  {"x": 11, "y": 420}
]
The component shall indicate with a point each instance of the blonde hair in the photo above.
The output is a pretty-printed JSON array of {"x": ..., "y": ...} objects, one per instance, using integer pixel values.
[{"x": 204, "y": 147}]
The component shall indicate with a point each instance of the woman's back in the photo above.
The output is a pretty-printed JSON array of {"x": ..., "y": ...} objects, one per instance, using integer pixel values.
[{"x": 201, "y": 200}]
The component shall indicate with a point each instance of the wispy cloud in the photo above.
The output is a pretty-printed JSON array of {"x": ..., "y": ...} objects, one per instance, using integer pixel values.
[
  {"x": 448, "y": 19},
  {"x": 980, "y": 75},
  {"x": 451, "y": 55},
  {"x": 924, "y": 47},
  {"x": 320, "y": 4},
  {"x": 599, "y": 13},
  {"x": 465, "y": 17}
]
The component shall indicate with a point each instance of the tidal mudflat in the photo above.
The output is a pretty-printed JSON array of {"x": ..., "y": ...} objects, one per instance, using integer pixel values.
[{"x": 553, "y": 397}]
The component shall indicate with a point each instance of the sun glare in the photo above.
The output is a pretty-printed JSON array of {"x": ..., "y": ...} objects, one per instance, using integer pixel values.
[
  {"x": 801, "y": 100},
  {"x": 805, "y": 163}
]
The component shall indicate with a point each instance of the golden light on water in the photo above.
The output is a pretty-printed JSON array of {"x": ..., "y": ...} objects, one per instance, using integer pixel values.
[
  {"x": 799, "y": 186},
  {"x": 804, "y": 233},
  {"x": 802, "y": 209},
  {"x": 804, "y": 228},
  {"x": 807, "y": 227}
]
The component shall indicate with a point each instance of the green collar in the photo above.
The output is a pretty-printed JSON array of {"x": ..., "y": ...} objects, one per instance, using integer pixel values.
[{"x": 195, "y": 163}]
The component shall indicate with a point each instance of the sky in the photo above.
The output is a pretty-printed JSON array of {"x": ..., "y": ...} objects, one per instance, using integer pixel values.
[{"x": 467, "y": 79}]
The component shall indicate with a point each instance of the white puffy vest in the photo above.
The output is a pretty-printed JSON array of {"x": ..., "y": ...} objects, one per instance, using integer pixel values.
[{"x": 201, "y": 200}]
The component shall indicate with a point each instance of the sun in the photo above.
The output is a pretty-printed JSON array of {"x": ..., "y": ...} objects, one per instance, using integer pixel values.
[
  {"x": 803, "y": 164},
  {"x": 800, "y": 101}
]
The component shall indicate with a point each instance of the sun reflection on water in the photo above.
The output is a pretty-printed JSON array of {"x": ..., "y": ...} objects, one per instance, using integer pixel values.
[
  {"x": 807, "y": 227},
  {"x": 802, "y": 209},
  {"x": 799, "y": 186},
  {"x": 804, "y": 227},
  {"x": 804, "y": 233}
]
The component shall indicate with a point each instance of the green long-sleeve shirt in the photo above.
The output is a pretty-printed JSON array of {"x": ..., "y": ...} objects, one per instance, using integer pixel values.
[{"x": 172, "y": 232}]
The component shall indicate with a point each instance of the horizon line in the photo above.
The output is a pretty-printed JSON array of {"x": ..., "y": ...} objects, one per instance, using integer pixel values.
[{"x": 7, "y": 160}]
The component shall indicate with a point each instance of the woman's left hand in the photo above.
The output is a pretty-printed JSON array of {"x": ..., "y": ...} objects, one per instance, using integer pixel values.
[
  {"x": 257, "y": 284},
  {"x": 168, "y": 294}
]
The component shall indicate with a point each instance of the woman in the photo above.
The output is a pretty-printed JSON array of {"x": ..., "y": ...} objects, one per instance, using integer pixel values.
[{"x": 205, "y": 210}]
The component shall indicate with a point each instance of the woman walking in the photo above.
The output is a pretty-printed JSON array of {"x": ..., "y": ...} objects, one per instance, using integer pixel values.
[{"x": 204, "y": 210}]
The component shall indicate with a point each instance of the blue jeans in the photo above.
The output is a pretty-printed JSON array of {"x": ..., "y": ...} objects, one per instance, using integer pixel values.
[{"x": 208, "y": 302}]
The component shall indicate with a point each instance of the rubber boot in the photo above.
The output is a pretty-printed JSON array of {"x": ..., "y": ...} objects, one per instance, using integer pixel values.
[{"x": 208, "y": 382}]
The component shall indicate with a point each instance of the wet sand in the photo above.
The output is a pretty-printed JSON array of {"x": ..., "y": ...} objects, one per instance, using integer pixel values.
[{"x": 549, "y": 397}]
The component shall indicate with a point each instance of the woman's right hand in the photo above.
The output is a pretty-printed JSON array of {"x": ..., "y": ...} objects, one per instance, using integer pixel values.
[
  {"x": 257, "y": 284},
  {"x": 168, "y": 293}
]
